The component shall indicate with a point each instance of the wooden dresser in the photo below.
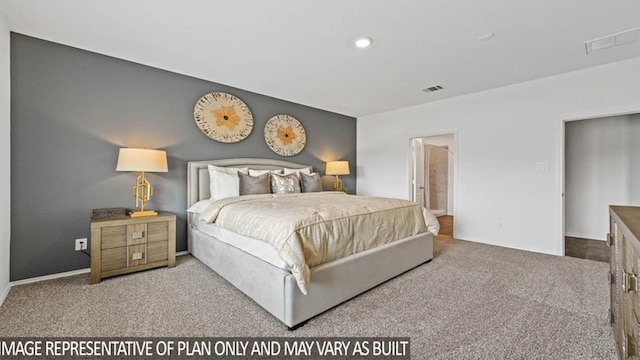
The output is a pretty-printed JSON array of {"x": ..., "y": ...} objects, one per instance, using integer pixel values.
[
  {"x": 124, "y": 245},
  {"x": 623, "y": 239}
]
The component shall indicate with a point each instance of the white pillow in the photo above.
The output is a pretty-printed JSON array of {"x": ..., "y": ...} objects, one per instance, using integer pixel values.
[
  {"x": 254, "y": 172},
  {"x": 288, "y": 171},
  {"x": 200, "y": 206},
  {"x": 222, "y": 186},
  {"x": 226, "y": 185}
]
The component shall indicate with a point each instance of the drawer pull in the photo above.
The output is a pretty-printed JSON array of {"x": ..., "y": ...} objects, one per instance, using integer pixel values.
[
  {"x": 137, "y": 234},
  {"x": 629, "y": 282},
  {"x": 136, "y": 256},
  {"x": 609, "y": 239},
  {"x": 612, "y": 278}
]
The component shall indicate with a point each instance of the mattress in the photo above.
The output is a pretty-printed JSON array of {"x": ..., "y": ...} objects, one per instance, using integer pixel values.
[{"x": 257, "y": 248}]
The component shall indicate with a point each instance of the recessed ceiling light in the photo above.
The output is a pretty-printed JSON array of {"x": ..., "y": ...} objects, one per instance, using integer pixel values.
[{"x": 364, "y": 42}]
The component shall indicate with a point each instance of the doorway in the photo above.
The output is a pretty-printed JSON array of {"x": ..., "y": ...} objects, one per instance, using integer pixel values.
[
  {"x": 432, "y": 175},
  {"x": 600, "y": 157}
]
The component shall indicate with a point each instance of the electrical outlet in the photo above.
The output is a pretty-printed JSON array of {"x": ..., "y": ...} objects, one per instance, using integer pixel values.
[{"x": 81, "y": 244}]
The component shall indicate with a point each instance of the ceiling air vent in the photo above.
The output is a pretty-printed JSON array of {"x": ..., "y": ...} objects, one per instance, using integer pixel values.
[
  {"x": 432, "y": 88},
  {"x": 613, "y": 40}
]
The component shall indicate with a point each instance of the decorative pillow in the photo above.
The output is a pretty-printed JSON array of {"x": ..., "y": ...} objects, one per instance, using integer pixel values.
[
  {"x": 310, "y": 183},
  {"x": 228, "y": 186},
  {"x": 285, "y": 184},
  {"x": 254, "y": 184},
  {"x": 307, "y": 171},
  {"x": 254, "y": 172}
]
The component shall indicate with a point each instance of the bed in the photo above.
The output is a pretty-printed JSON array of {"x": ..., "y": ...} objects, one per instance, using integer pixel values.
[{"x": 273, "y": 286}]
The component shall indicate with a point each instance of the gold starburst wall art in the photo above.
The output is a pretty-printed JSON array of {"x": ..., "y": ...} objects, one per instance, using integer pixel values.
[
  {"x": 285, "y": 135},
  {"x": 223, "y": 117}
]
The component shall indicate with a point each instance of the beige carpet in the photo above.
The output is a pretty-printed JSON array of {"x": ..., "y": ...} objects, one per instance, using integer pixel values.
[{"x": 472, "y": 301}]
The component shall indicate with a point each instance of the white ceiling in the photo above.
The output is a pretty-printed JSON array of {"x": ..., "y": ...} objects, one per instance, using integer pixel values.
[{"x": 302, "y": 51}]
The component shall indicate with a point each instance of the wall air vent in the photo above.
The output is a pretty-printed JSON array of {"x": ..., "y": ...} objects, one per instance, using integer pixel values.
[
  {"x": 432, "y": 88},
  {"x": 611, "y": 41}
]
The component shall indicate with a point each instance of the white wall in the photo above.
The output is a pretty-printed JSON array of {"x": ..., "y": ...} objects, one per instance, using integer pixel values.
[
  {"x": 502, "y": 133},
  {"x": 600, "y": 170},
  {"x": 5, "y": 160}
]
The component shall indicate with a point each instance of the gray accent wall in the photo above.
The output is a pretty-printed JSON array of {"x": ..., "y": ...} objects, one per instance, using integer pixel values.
[{"x": 71, "y": 110}]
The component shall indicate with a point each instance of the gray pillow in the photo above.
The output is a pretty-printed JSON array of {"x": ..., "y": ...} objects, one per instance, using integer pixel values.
[
  {"x": 254, "y": 184},
  {"x": 285, "y": 184},
  {"x": 310, "y": 183}
]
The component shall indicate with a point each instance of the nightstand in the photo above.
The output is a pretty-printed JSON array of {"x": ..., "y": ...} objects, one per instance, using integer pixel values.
[{"x": 124, "y": 245}]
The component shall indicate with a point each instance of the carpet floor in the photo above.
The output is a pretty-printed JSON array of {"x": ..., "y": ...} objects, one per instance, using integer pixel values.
[{"x": 472, "y": 301}]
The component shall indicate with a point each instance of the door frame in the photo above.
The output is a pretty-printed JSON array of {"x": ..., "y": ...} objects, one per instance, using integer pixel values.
[
  {"x": 561, "y": 226},
  {"x": 453, "y": 153}
]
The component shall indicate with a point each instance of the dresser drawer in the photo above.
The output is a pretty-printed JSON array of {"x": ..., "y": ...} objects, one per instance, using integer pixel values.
[
  {"x": 113, "y": 259},
  {"x": 158, "y": 231},
  {"x": 113, "y": 236},
  {"x": 157, "y": 251}
]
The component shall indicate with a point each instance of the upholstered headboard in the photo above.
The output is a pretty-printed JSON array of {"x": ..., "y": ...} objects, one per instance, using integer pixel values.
[{"x": 198, "y": 173}]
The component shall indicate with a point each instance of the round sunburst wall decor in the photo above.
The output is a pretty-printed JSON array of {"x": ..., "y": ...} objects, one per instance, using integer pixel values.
[
  {"x": 223, "y": 117},
  {"x": 285, "y": 135}
]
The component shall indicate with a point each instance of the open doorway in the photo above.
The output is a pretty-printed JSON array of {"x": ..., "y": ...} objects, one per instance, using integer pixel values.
[
  {"x": 600, "y": 169},
  {"x": 432, "y": 159}
]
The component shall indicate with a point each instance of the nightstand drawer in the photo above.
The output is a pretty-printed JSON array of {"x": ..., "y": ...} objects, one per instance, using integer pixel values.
[
  {"x": 114, "y": 236},
  {"x": 157, "y": 251},
  {"x": 158, "y": 231},
  {"x": 113, "y": 259}
]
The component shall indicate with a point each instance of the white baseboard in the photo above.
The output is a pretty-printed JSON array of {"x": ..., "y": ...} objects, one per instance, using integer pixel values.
[
  {"x": 61, "y": 275},
  {"x": 50, "y": 277},
  {"x": 586, "y": 236},
  {"x": 4, "y": 293}
]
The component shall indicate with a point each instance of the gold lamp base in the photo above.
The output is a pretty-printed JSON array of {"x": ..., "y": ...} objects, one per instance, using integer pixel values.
[
  {"x": 142, "y": 192},
  {"x": 337, "y": 186},
  {"x": 135, "y": 214}
]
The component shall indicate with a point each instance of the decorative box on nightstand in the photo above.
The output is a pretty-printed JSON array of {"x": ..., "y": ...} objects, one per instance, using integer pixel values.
[{"x": 124, "y": 245}]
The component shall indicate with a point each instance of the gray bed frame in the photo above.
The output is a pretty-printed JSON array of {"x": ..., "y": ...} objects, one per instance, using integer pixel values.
[{"x": 275, "y": 289}]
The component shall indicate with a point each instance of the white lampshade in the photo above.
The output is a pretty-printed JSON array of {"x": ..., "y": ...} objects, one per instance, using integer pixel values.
[
  {"x": 134, "y": 159},
  {"x": 337, "y": 168}
]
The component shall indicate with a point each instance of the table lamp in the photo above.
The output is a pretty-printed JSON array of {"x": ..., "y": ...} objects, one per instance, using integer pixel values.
[
  {"x": 337, "y": 168},
  {"x": 143, "y": 160}
]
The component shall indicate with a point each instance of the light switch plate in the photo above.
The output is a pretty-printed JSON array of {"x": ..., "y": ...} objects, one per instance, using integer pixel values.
[{"x": 542, "y": 166}]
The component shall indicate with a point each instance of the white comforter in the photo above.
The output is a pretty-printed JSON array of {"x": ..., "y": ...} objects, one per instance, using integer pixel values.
[{"x": 310, "y": 229}]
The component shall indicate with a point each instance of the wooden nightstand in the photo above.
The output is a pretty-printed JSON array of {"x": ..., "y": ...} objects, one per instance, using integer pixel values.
[{"x": 124, "y": 245}]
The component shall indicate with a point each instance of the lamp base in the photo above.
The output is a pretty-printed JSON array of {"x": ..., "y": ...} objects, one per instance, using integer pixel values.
[
  {"x": 337, "y": 186},
  {"x": 135, "y": 214}
]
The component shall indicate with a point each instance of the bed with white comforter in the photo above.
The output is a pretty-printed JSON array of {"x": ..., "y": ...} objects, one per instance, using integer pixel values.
[{"x": 298, "y": 255}]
